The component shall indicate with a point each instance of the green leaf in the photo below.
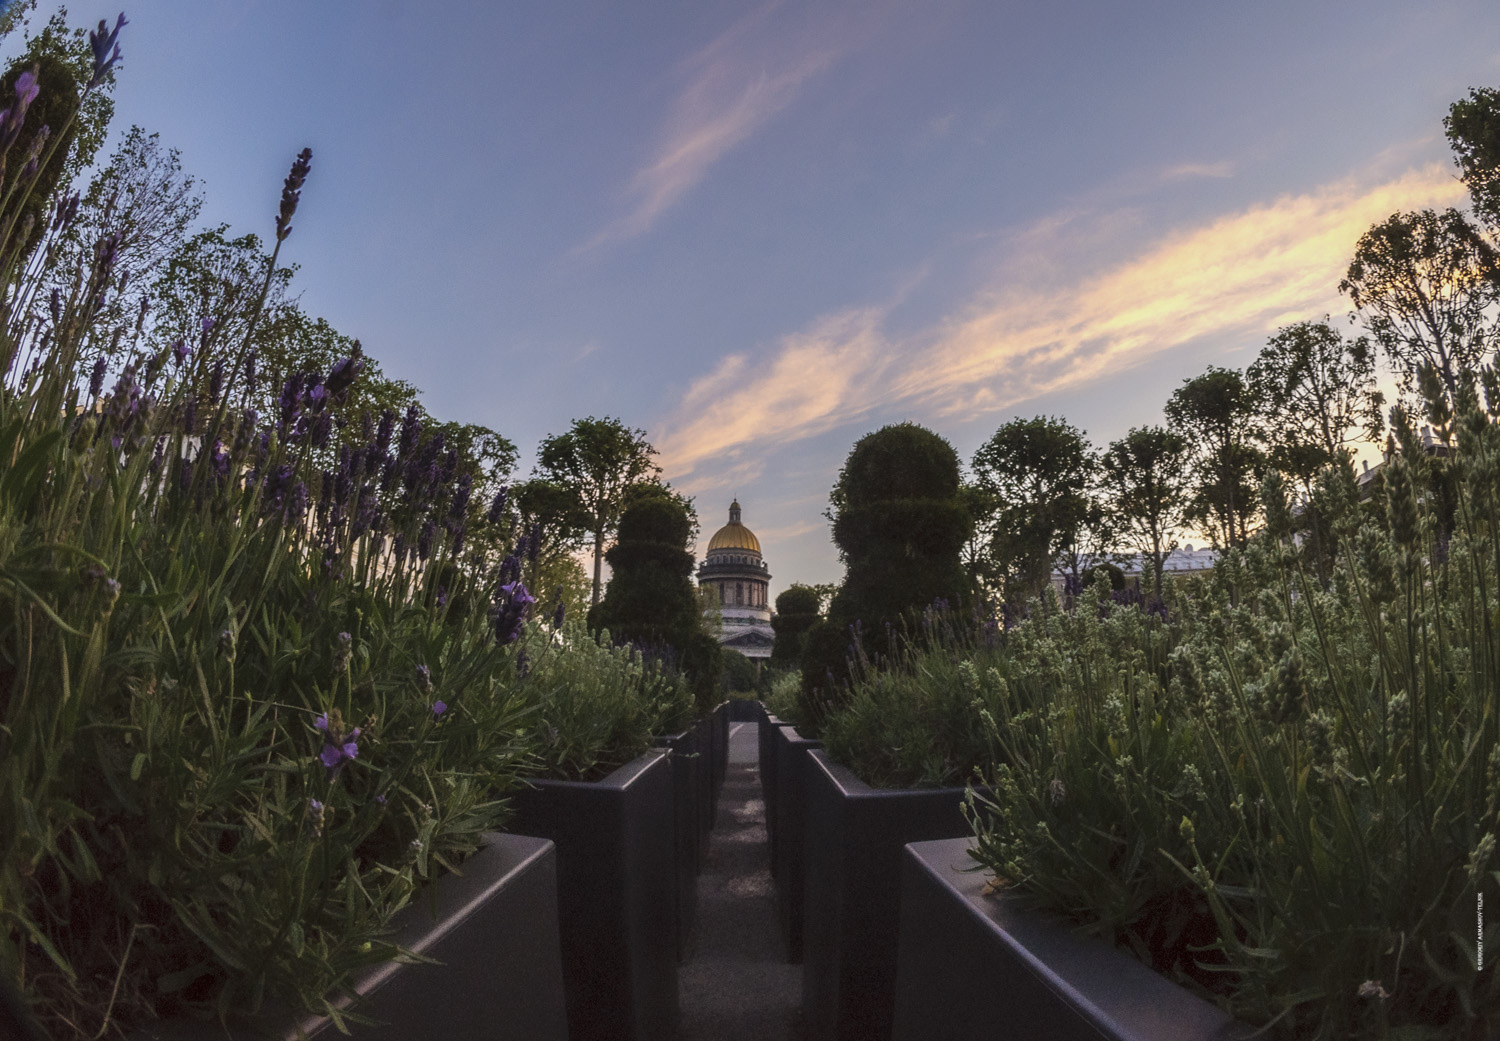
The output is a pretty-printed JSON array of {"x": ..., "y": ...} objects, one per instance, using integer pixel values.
[{"x": 137, "y": 765}]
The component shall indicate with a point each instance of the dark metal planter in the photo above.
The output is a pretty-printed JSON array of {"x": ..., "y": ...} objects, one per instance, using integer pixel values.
[
  {"x": 494, "y": 931},
  {"x": 617, "y": 896},
  {"x": 854, "y": 835},
  {"x": 767, "y": 752},
  {"x": 703, "y": 784},
  {"x": 787, "y": 857},
  {"x": 686, "y": 781},
  {"x": 972, "y": 966}
]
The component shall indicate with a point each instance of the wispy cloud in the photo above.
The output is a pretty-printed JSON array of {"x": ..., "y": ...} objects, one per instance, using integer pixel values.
[
  {"x": 731, "y": 88},
  {"x": 1244, "y": 273},
  {"x": 1184, "y": 171}
]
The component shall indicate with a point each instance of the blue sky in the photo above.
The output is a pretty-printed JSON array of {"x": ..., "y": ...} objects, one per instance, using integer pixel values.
[{"x": 759, "y": 231}]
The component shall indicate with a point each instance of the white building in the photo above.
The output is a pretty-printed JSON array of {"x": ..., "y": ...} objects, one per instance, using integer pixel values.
[{"x": 737, "y": 574}]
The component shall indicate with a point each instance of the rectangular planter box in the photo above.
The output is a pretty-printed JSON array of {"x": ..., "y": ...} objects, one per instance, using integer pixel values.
[
  {"x": 703, "y": 780},
  {"x": 687, "y": 774},
  {"x": 494, "y": 931},
  {"x": 971, "y": 964},
  {"x": 767, "y": 753},
  {"x": 854, "y": 837},
  {"x": 787, "y": 859},
  {"x": 617, "y": 896}
]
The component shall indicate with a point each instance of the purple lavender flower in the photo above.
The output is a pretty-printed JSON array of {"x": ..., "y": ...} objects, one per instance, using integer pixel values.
[
  {"x": 438, "y": 708},
  {"x": 343, "y": 375},
  {"x": 216, "y": 382},
  {"x": 96, "y": 379},
  {"x": 497, "y": 508},
  {"x": 334, "y": 756},
  {"x": 534, "y": 544},
  {"x": 460, "y": 504},
  {"x": 317, "y": 396},
  {"x": 442, "y": 596},
  {"x": 510, "y": 570},
  {"x": 102, "y": 40},
  {"x": 411, "y": 432},
  {"x": 65, "y": 213},
  {"x": 383, "y": 434},
  {"x": 180, "y": 351},
  {"x": 424, "y": 538},
  {"x": 523, "y": 664},
  {"x": 380, "y": 799},
  {"x": 190, "y": 416},
  {"x": 54, "y": 306},
  {"x": 291, "y": 193},
  {"x": 424, "y": 678},
  {"x": 560, "y": 612},
  {"x": 205, "y": 325}
]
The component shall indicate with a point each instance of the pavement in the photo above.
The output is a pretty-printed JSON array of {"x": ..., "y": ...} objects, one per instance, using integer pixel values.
[{"x": 738, "y": 985}]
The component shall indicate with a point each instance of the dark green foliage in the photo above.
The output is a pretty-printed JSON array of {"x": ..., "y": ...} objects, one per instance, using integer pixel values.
[
  {"x": 1215, "y": 413},
  {"x": 27, "y": 198},
  {"x": 651, "y": 601},
  {"x": 1145, "y": 475},
  {"x": 899, "y": 524},
  {"x": 1473, "y": 129},
  {"x": 1423, "y": 284},
  {"x": 797, "y": 611},
  {"x": 740, "y": 673},
  {"x": 1034, "y": 475},
  {"x": 598, "y": 460}
]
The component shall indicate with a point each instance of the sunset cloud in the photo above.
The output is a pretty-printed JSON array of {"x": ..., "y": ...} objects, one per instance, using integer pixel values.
[
  {"x": 731, "y": 89},
  {"x": 1242, "y": 274}
]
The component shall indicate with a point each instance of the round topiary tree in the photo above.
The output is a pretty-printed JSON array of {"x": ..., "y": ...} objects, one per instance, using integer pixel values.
[
  {"x": 797, "y": 611},
  {"x": 900, "y": 525},
  {"x": 651, "y": 600}
]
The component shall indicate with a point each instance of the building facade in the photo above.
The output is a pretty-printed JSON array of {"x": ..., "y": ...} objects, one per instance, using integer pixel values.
[{"x": 736, "y": 573}]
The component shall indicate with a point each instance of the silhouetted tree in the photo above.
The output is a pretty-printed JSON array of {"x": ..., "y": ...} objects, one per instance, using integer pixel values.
[
  {"x": 598, "y": 460},
  {"x": 1216, "y": 414},
  {"x": 1145, "y": 473},
  {"x": 1037, "y": 473}
]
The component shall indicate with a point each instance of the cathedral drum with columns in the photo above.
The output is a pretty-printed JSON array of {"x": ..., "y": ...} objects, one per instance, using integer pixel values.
[{"x": 737, "y": 573}]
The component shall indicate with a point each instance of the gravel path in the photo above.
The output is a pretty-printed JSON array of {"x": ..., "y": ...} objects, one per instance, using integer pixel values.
[{"x": 739, "y": 987}]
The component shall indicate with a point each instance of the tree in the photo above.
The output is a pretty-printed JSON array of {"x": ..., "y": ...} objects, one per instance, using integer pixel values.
[
  {"x": 798, "y": 609},
  {"x": 1146, "y": 474},
  {"x": 1422, "y": 283},
  {"x": 1215, "y": 413},
  {"x": 95, "y": 108},
  {"x": 651, "y": 600},
  {"x": 1311, "y": 387},
  {"x": 1473, "y": 129},
  {"x": 145, "y": 200},
  {"x": 899, "y": 525},
  {"x": 598, "y": 460},
  {"x": 1036, "y": 473}
]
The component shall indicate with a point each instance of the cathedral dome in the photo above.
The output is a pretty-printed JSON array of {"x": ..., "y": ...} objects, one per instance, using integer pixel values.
[{"x": 734, "y": 535}]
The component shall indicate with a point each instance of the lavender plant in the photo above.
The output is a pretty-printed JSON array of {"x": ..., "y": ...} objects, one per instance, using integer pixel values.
[
  {"x": 254, "y": 688},
  {"x": 1290, "y": 805}
]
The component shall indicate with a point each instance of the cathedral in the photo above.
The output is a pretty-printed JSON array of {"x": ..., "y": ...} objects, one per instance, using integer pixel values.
[{"x": 737, "y": 573}]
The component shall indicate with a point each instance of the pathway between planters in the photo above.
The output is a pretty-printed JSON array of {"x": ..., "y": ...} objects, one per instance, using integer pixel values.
[{"x": 738, "y": 985}]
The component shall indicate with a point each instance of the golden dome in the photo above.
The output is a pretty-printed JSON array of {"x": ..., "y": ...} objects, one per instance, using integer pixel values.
[{"x": 734, "y": 535}]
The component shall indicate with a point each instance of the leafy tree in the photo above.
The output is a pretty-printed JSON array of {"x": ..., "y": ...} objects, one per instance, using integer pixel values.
[
  {"x": 1146, "y": 475},
  {"x": 651, "y": 600},
  {"x": 899, "y": 525},
  {"x": 798, "y": 609},
  {"x": 598, "y": 460},
  {"x": 1422, "y": 283},
  {"x": 1215, "y": 413},
  {"x": 1473, "y": 129},
  {"x": 1312, "y": 387},
  {"x": 145, "y": 200},
  {"x": 1036, "y": 473}
]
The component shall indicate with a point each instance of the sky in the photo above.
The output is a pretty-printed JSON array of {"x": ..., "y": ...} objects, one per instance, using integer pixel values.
[{"x": 759, "y": 231}]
